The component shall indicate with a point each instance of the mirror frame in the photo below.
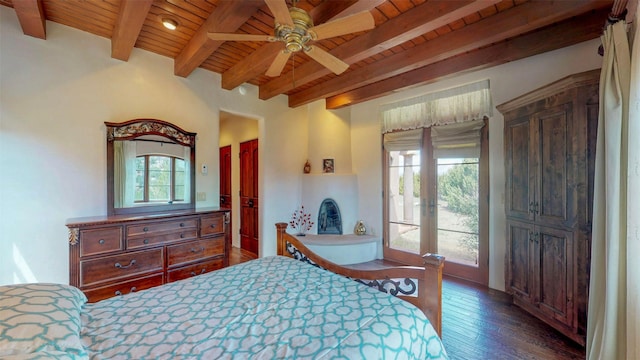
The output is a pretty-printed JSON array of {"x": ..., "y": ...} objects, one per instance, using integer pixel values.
[{"x": 135, "y": 128}]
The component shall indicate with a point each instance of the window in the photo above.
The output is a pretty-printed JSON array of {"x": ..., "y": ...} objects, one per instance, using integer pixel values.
[
  {"x": 159, "y": 179},
  {"x": 433, "y": 200}
]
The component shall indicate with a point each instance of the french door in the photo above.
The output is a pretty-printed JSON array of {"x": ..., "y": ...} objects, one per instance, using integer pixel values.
[{"x": 438, "y": 204}]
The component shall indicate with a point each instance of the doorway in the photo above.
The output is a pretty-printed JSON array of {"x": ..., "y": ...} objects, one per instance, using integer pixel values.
[
  {"x": 239, "y": 192},
  {"x": 436, "y": 202}
]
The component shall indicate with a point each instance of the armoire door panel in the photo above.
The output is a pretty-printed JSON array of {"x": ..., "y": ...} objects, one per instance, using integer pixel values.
[
  {"x": 554, "y": 200},
  {"x": 520, "y": 181},
  {"x": 520, "y": 244},
  {"x": 555, "y": 266}
]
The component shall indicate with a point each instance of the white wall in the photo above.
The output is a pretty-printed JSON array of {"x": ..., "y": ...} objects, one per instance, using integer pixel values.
[
  {"x": 55, "y": 95},
  {"x": 507, "y": 82}
]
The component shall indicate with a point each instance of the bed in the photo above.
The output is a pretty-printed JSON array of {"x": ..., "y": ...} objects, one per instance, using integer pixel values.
[{"x": 269, "y": 308}]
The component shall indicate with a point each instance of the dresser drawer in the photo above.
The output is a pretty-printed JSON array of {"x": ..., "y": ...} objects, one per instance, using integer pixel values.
[
  {"x": 194, "y": 250},
  {"x": 100, "y": 241},
  {"x": 124, "y": 288},
  {"x": 161, "y": 227},
  {"x": 120, "y": 266},
  {"x": 210, "y": 225},
  {"x": 195, "y": 269},
  {"x": 140, "y": 241}
]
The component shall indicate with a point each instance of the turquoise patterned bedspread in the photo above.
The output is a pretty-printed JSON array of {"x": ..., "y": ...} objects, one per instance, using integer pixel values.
[{"x": 269, "y": 308}]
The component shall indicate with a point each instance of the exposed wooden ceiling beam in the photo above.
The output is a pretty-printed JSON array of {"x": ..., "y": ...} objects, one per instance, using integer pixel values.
[
  {"x": 259, "y": 61},
  {"x": 420, "y": 20},
  {"x": 566, "y": 33},
  {"x": 128, "y": 25},
  {"x": 228, "y": 16},
  {"x": 31, "y": 16},
  {"x": 499, "y": 27}
]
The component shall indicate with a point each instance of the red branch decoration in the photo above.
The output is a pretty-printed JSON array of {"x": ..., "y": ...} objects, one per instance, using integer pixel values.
[{"x": 301, "y": 221}]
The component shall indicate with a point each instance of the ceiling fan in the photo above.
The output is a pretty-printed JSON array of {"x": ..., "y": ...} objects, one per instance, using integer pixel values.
[{"x": 294, "y": 27}]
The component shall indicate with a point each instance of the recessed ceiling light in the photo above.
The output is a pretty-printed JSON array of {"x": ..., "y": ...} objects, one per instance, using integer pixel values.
[{"x": 169, "y": 23}]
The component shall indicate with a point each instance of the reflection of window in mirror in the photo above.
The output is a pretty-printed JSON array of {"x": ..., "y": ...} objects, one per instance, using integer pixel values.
[
  {"x": 150, "y": 170},
  {"x": 150, "y": 167},
  {"x": 160, "y": 178}
]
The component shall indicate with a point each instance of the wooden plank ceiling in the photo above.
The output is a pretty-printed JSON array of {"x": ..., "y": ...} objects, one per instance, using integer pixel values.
[{"x": 414, "y": 41}]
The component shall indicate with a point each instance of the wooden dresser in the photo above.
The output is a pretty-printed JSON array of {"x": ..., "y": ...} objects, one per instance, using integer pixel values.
[
  {"x": 116, "y": 255},
  {"x": 550, "y": 137}
]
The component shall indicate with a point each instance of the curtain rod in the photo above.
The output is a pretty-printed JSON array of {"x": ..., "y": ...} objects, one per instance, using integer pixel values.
[{"x": 618, "y": 12}]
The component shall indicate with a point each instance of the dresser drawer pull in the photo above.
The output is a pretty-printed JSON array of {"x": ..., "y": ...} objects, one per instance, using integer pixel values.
[
  {"x": 214, "y": 225},
  {"x": 120, "y": 266},
  {"x": 181, "y": 224},
  {"x": 146, "y": 241},
  {"x": 193, "y": 273},
  {"x": 145, "y": 229},
  {"x": 194, "y": 250},
  {"x": 133, "y": 289},
  {"x": 101, "y": 241},
  {"x": 181, "y": 235}
]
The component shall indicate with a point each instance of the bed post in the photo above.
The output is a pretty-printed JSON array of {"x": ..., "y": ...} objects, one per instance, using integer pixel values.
[
  {"x": 281, "y": 247},
  {"x": 433, "y": 265}
]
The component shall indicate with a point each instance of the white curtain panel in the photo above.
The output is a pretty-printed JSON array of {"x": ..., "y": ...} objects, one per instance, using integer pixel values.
[
  {"x": 124, "y": 173},
  {"x": 633, "y": 202},
  {"x": 130, "y": 153},
  {"x": 615, "y": 216}
]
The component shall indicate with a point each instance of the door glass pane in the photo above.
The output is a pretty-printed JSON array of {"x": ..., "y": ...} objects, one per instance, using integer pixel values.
[
  {"x": 404, "y": 200},
  {"x": 458, "y": 185}
]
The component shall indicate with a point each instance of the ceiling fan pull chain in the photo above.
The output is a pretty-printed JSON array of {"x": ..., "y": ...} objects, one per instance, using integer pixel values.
[{"x": 293, "y": 70}]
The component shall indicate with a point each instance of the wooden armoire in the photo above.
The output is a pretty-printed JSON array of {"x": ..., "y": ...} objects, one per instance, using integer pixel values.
[{"x": 550, "y": 138}]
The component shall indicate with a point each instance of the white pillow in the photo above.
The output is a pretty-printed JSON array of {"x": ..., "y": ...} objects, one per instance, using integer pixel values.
[{"x": 40, "y": 318}]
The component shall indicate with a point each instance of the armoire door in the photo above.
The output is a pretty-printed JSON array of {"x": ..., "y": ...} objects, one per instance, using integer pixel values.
[
  {"x": 555, "y": 273},
  {"x": 555, "y": 200},
  {"x": 249, "y": 196},
  {"x": 520, "y": 175},
  {"x": 521, "y": 253}
]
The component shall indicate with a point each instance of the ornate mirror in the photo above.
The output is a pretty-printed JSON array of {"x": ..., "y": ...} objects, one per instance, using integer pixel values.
[{"x": 150, "y": 167}]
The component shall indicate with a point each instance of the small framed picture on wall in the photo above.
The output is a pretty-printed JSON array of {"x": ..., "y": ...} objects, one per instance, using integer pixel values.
[{"x": 327, "y": 166}]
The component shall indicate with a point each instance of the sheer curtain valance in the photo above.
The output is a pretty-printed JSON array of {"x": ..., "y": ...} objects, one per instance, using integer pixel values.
[{"x": 460, "y": 104}]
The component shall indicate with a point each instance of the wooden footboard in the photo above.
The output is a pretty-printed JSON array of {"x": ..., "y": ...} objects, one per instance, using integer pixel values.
[{"x": 421, "y": 286}]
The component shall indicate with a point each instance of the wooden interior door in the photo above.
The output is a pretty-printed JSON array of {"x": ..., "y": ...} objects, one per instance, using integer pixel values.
[
  {"x": 225, "y": 177},
  {"x": 249, "y": 196}
]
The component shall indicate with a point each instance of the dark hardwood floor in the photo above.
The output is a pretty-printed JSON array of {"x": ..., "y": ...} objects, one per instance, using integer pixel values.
[{"x": 481, "y": 323}]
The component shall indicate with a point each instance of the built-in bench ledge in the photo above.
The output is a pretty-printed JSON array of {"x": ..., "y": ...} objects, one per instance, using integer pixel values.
[{"x": 344, "y": 249}]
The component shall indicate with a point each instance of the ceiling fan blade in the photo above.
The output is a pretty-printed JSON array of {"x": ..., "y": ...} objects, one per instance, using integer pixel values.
[
  {"x": 239, "y": 37},
  {"x": 280, "y": 11},
  {"x": 327, "y": 60},
  {"x": 346, "y": 25},
  {"x": 278, "y": 63}
]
